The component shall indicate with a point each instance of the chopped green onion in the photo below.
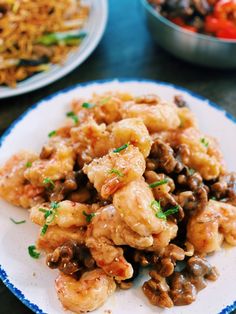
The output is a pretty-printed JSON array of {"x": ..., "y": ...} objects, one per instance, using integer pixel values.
[
  {"x": 156, "y": 206},
  {"x": 49, "y": 182},
  {"x": 44, "y": 229},
  {"x": 157, "y": 183},
  {"x": 49, "y": 215},
  {"x": 89, "y": 217},
  {"x": 117, "y": 172},
  {"x": 73, "y": 116},
  {"x": 117, "y": 150},
  {"x": 87, "y": 105},
  {"x": 54, "y": 205},
  {"x": 204, "y": 142},
  {"x": 104, "y": 100},
  {"x": 161, "y": 215},
  {"x": 52, "y": 133},
  {"x": 61, "y": 38},
  {"x": 32, "y": 252},
  {"x": 171, "y": 211},
  {"x": 28, "y": 164},
  {"x": 17, "y": 222}
]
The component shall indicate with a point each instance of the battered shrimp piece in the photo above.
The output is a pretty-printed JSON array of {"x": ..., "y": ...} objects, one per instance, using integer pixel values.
[
  {"x": 86, "y": 294},
  {"x": 103, "y": 108},
  {"x": 68, "y": 214},
  {"x": 156, "y": 117},
  {"x": 91, "y": 140},
  {"x": 227, "y": 223},
  {"x": 132, "y": 131},
  {"x": 56, "y": 236},
  {"x": 205, "y": 155},
  {"x": 100, "y": 233},
  {"x": 207, "y": 229},
  {"x": 114, "y": 170},
  {"x": 133, "y": 202},
  {"x": 187, "y": 118},
  {"x": 55, "y": 165},
  {"x": 106, "y": 230},
  {"x": 162, "y": 239},
  {"x": 14, "y": 188}
]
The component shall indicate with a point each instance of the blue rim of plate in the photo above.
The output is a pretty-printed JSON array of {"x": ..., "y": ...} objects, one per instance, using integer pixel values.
[{"x": 3, "y": 275}]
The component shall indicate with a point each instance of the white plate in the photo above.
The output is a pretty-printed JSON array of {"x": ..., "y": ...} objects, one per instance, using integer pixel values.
[
  {"x": 94, "y": 28},
  {"x": 18, "y": 268}
]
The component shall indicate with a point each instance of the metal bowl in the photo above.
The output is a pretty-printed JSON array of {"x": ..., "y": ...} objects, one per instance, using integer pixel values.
[{"x": 195, "y": 48}]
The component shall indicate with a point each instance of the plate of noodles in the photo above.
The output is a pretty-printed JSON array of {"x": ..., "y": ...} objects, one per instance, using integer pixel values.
[
  {"x": 41, "y": 41},
  {"x": 124, "y": 202}
]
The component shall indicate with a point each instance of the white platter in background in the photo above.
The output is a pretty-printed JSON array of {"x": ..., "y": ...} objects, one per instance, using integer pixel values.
[{"x": 94, "y": 28}]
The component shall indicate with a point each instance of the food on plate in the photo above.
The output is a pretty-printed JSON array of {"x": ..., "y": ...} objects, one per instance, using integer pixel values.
[
  {"x": 125, "y": 183},
  {"x": 211, "y": 17},
  {"x": 36, "y": 33}
]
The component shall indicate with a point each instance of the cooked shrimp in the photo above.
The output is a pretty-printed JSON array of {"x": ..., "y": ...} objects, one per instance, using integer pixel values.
[
  {"x": 56, "y": 236},
  {"x": 100, "y": 233},
  {"x": 114, "y": 170},
  {"x": 68, "y": 214},
  {"x": 157, "y": 117},
  {"x": 133, "y": 202},
  {"x": 187, "y": 118},
  {"x": 14, "y": 188},
  {"x": 162, "y": 239},
  {"x": 132, "y": 131},
  {"x": 207, "y": 229},
  {"x": 205, "y": 155},
  {"x": 90, "y": 140},
  {"x": 60, "y": 160},
  {"x": 86, "y": 294},
  {"x": 227, "y": 223}
]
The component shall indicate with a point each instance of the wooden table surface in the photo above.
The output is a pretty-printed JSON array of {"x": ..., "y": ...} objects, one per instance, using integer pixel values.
[{"x": 126, "y": 50}]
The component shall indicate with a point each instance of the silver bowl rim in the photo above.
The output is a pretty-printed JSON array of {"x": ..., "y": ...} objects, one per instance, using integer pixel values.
[{"x": 165, "y": 21}]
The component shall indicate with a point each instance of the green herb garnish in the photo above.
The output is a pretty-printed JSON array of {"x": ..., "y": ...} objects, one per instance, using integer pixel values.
[
  {"x": 89, "y": 217},
  {"x": 171, "y": 211},
  {"x": 52, "y": 133},
  {"x": 44, "y": 229},
  {"x": 213, "y": 198},
  {"x": 157, "y": 183},
  {"x": 49, "y": 215},
  {"x": 28, "y": 164},
  {"x": 117, "y": 172},
  {"x": 117, "y": 150},
  {"x": 73, "y": 116},
  {"x": 54, "y": 205},
  {"x": 32, "y": 252},
  {"x": 87, "y": 105},
  {"x": 49, "y": 182},
  {"x": 204, "y": 142},
  {"x": 156, "y": 206},
  {"x": 17, "y": 222}
]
